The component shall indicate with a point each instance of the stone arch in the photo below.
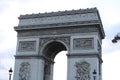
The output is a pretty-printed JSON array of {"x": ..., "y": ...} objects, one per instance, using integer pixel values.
[
  {"x": 44, "y": 42},
  {"x": 42, "y": 36},
  {"x": 49, "y": 51}
]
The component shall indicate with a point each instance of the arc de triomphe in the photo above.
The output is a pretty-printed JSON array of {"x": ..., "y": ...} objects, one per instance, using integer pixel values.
[{"x": 40, "y": 37}]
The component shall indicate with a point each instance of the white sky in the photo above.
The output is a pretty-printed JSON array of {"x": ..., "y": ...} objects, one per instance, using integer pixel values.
[{"x": 109, "y": 11}]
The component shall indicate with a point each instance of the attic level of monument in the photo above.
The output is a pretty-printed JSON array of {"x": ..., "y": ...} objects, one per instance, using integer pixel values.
[
  {"x": 61, "y": 19},
  {"x": 59, "y": 13},
  {"x": 40, "y": 37}
]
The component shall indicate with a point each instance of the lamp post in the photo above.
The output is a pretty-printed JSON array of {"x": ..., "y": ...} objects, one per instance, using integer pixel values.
[
  {"x": 94, "y": 74},
  {"x": 116, "y": 38},
  {"x": 10, "y": 73}
]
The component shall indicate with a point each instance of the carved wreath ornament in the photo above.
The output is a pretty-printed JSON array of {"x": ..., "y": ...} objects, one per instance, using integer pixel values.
[
  {"x": 24, "y": 71},
  {"x": 82, "y": 71}
]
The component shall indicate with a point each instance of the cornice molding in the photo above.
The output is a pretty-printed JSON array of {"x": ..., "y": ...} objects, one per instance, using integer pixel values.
[{"x": 59, "y": 13}]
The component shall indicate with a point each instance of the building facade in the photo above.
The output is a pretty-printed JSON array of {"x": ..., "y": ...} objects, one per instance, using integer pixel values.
[{"x": 40, "y": 37}]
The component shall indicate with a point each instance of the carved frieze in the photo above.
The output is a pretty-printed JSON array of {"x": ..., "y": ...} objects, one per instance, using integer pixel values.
[
  {"x": 83, "y": 43},
  {"x": 27, "y": 46},
  {"x": 24, "y": 71},
  {"x": 59, "y": 19},
  {"x": 82, "y": 70},
  {"x": 58, "y": 31},
  {"x": 59, "y": 13}
]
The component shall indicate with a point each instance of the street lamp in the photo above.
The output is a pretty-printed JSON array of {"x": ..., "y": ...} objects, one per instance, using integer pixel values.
[
  {"x": 117, "y": 37},
  {"x": 10, "y": 73},
  {"x": 94, "y": 74}
]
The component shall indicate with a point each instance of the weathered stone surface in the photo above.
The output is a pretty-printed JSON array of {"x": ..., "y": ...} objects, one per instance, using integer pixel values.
[
  {"x": 59, "y": 13},
  {"x": 82, "y": 71},
  {"x": 63, "y": 19},
  {"x": 83, "y": 43},
  {"x": 65, "y": 40},
  {"x": 42, "y": 36},
  {"x": 27, "y": 46},
  {"x": 24, "y": 71},
  {"x": 59, "y": 19},
  {"x": 57, "y": 31}
]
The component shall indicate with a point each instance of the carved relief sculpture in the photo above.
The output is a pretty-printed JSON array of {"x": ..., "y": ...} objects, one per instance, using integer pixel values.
[
  {"x": 24, "y": 71},
  {"x": 82, "y": 71},
  {"x": 27, "y": 46},
  {"x": 83, "y": 43}
]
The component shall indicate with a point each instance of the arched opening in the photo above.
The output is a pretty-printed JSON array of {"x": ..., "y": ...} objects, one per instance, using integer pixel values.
[
  {"x": 49, "y": 52},
  {"x": 60, "y": 66}
]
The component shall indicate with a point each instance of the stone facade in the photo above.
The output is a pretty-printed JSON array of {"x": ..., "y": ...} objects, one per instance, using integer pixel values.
[{"x": 42, "y": 36}]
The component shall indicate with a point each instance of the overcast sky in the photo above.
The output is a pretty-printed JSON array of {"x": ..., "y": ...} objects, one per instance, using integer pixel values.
[{"x": 109, "y": 11}]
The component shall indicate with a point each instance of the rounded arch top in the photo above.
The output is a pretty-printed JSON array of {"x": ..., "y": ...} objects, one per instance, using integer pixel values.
[{"x": 50, "y": 47}]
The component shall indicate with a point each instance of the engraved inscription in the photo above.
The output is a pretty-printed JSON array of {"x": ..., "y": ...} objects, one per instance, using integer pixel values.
[
  {"x": 83, "y": 43},
  {"x": 24, "y": 71},
  {"x": 27, "y": 46},
  {"x": 82, "y": 71}
]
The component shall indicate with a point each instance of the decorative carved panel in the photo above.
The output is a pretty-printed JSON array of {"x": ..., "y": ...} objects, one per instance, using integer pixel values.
[
  {"x": 24, "y": 71},
  {"x": 82, "y": 71},
  {"x": 83, "y": 43},
  {"x": 27, "y": 46}
]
